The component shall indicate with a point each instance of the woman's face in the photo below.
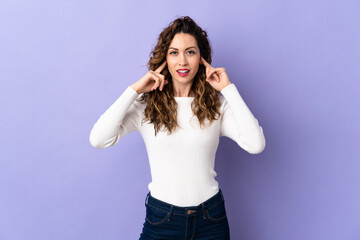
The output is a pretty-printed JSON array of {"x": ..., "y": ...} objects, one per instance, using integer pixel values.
[{"x": 183, "y": 53}]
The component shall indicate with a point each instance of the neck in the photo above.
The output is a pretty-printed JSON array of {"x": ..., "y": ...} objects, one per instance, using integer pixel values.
[
  {"x": 183, "y": 91},
  {"x": 185, "y": 95}
]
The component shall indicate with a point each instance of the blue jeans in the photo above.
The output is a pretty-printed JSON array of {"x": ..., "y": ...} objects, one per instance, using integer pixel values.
[{"x": 206, "y": 221}]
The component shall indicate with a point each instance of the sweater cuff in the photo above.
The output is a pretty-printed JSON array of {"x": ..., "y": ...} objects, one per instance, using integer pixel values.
[
  {"x": 132, "y": 91},
  {"x": 228, "y": 88}
]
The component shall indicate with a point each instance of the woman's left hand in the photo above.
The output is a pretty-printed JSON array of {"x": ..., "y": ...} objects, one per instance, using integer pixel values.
[{"x": 216, "y": 77}]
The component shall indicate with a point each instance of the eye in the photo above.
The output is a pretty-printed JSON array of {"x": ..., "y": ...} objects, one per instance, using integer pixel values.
[{"x": 192, "y": 52}]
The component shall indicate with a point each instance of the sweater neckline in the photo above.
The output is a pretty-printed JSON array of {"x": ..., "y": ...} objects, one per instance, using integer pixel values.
[{"x": 181, "y": 99}]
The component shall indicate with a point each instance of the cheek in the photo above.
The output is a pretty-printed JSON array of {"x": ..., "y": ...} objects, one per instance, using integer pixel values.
[
  {"x": 196, "y": 61},
  {"x": 196, "y": 65},
  {"x": 171, "y": 65}
]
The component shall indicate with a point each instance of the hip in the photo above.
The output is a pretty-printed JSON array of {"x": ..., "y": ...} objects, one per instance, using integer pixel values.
[{"x": 203, "y": 221}]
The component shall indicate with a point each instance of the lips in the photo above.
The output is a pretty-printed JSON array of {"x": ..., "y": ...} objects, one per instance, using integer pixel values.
[{"x": 183, "y": 72}]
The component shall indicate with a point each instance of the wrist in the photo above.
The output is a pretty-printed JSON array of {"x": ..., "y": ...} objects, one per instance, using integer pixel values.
[
  {"x": 133, "y": 86},
  {"x": 225, "y": 86}
]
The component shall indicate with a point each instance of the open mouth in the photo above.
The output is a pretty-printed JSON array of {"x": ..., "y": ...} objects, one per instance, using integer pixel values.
[{"x": 183, "y": 73}]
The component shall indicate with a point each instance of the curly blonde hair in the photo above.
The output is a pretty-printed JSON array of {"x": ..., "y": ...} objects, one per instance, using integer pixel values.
[{"x": 161, "y": 107}]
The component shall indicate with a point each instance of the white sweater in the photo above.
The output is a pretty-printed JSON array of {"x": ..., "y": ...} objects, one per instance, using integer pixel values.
[{"x": 182, "y": 163}]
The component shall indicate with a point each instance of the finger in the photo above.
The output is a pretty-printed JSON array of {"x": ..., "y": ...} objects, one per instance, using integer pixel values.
[
  {"x": 162, "y": 83},
  {"x": 161, "y": 67},
  {"x": 165, "y": 82},
  {"x": 208, "y": 70},
  {"x": 157, "y": 84},
  {"x": 208, "y": 78},
  {"x": 208, "y": 73},
  {"x": 211, "y": 72},
  {"x": 162, "y": 80},
  {"x": 157, "y": 81},
  {"x": 219, "y": 72},
  {"x": 206, "y": 64},
  {"x": 216, "y": 75}
]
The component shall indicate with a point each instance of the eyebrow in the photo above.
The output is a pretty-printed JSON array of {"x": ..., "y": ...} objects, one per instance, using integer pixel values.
[{"x": 185, "y": 48}]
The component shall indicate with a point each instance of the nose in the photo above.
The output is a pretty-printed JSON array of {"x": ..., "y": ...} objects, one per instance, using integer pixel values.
[{"x": 182, "y": 60}]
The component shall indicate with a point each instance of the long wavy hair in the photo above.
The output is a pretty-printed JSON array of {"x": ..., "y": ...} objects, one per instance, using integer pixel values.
[{"x": 161, "y": 107}]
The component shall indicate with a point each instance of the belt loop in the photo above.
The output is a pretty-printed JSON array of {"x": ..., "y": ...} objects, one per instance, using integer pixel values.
[
  {"x": 147, "y": 196},
  {"x": 203, "y": 208},
  {"x": 171, "y": 208}
]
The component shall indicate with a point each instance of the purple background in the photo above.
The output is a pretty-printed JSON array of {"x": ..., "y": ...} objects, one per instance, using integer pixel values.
[{"x": 62, "y": 64}]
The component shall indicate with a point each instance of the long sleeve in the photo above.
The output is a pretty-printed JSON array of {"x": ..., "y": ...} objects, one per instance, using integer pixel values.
[
  {"x": 239, "y": 124},
  {"x": 117, "y": 121}
]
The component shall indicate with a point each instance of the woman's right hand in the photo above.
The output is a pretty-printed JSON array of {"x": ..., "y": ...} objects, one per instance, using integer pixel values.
[{"x": 151, "y": 80}]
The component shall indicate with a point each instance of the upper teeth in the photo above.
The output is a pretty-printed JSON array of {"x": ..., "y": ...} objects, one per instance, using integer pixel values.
[{"x": 183, "y": 71}]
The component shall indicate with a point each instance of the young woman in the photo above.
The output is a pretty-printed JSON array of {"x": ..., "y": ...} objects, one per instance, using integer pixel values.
[{"x": 181, "y": 115}]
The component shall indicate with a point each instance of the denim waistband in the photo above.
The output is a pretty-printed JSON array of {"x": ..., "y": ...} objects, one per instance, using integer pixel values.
[{"x": 185, "y": 211}]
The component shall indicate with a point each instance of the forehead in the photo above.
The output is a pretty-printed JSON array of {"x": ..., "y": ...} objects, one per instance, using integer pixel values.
[{"x": 183, "y": 40}]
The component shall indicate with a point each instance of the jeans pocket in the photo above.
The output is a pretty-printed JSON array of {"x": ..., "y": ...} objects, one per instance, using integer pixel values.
[
  {"x": 216, "y": 212},
  {"x": 154, "y": 215}
]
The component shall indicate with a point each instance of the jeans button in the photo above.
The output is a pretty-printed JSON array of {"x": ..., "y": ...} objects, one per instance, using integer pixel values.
[{"x": 191, "y": 211}]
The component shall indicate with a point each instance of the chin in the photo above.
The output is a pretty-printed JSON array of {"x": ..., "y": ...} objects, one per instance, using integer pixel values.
[
  {"x": 181, "y": 79},
  {"x": 184, "y": 80}
]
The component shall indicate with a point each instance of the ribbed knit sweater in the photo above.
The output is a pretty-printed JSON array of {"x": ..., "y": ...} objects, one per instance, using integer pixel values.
[{"x": 182, "y": 163}]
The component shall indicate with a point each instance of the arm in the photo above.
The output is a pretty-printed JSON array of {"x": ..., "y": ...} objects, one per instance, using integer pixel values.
[
  {"x": 239, "y": 124},
  {"x": 117, "y": 121}
]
